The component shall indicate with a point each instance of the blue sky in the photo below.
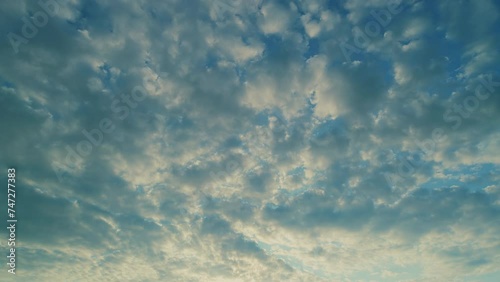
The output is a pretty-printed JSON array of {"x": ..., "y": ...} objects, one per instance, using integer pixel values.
[{"x": 259, "y": 140}]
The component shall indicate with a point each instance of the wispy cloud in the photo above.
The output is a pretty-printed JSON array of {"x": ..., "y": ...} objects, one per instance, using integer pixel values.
[{"x": 252, "y": 140}]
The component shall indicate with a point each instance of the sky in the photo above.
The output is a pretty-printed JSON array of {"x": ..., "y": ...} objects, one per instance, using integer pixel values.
[{"x": 259, "y": 140}]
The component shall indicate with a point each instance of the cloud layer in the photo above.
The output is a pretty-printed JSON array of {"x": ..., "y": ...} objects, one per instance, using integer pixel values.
[{"x": 253, "y": 140}]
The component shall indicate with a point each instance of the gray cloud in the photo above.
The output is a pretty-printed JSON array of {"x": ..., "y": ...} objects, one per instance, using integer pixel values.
[{"x": 259, "y": 153}]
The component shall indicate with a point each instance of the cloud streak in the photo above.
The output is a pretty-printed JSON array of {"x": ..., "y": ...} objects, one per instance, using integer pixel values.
[{"x": 175, "y": 141}]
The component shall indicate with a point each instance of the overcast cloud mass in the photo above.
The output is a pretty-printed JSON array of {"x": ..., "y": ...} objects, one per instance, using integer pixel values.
[{"x": 258, "y": 140}]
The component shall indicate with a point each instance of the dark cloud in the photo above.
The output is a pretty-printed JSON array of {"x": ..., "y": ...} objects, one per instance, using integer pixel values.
[{"x": 259, "y": 151}]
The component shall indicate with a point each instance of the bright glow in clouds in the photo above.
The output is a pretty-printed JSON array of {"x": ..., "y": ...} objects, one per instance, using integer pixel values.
[{"x": 265, "y": 140}]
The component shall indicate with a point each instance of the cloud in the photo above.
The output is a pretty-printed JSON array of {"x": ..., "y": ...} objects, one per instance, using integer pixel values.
[{"x": 259, "y": 152}]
